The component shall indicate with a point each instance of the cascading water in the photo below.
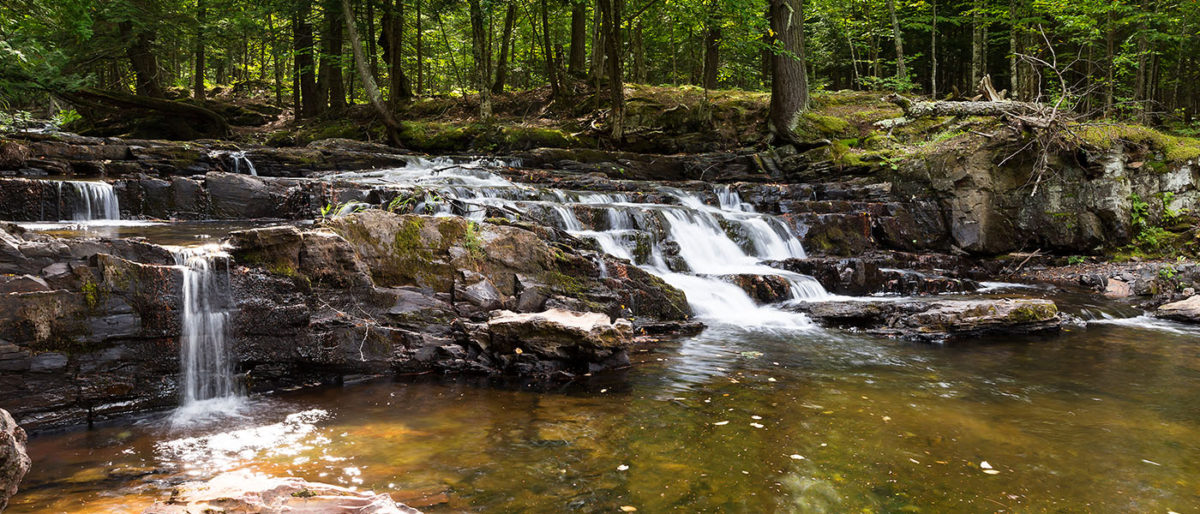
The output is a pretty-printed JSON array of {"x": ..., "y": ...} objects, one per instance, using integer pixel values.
[
  {"x": 208, "y": 384},
  {"x": 707, "y": 243},
  {"x": 96, "y": 200},
  {"x": 237, "y": 157}
]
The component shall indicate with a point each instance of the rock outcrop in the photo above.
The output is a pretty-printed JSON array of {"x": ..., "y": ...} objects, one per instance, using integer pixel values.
[
  {"x": 242, "y": 492},
  {"x": 556, "y": 335},
  {"x": 14, "y": 462},
  {"x": 89, "y": 328},
  {"x": 1184, "y": 310},
  {"x": 941, "y": 320}
]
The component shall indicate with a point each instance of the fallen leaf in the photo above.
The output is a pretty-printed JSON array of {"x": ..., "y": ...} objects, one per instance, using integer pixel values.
[
  {"x": 622, "y": 467},
  {"x": 796, "y": 456},
  {"x": 756, "y": 425},
  {"x": 628, "y": 508},
  {"x": 719, "y": 423},
  {"x": 985, "y": 465}
]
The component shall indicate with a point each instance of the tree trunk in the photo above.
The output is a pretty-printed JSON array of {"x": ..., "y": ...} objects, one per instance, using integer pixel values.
[
  {"x": 578, "y": 58},
  {"x": 712, "y": 46},
  {"x": 1014, "y": 80},
  {"x": 391, "y": 37},
  {"x": 978, "y": 45},
  {"x": 331, "y": 53},
  {"x": 789, "y": 76},
  {"x": 898, "y": 36},
  {"x": 364, "y": 73},
  {"x": 198, "y": 78},
  {"x": 276, "y": 68},
  {"x": 371, "y": 48},
  {"x": 479, "y": 49},
  {"x": 510, "y": 18},
  {"x": 551, "y": 69},
  {"x": 597, "y": 65},
  {"x": 610, "y": 14},
  {"x": 310, "y": 101},
  {"x": 639, "y": 55},
  {"x": 420, "y": 52},
  {"x": 142, "y": 58},
  {"x": 933, "y": 87}
]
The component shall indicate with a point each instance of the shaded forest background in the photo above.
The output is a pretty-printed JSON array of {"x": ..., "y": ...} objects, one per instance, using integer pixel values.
[{"x": 1127, "y": 60}]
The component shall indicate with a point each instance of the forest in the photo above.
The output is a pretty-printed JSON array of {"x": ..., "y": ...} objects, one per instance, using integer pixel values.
[{"x": 1128, "y": 60}]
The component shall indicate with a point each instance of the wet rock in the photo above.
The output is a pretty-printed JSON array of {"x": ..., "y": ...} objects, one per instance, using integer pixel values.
[
  {"x": 763, "y": 289},
  {"x": 242, "y": 492},
  {"x": 1116, "y": 288},
  {"x": 22, "y": 284},
  {"x": 241, "y": 196},
  {"x": 575, "y": 339},
  {"x": 14, "y": 461},
  {"x": 1185, "y": 310},
  {"x": 942, "y": 320}
]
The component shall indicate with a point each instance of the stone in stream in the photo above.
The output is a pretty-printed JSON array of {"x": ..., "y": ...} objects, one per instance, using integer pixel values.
[
  {"x": 940, "y": 320},
  {"x": 243, "y": 492},
  {"x": 14, "y": 461},
  {"x": 1185, "y": 310},
  {"x": 763, "y": 289},
  {"x": 573, "y": 338}
]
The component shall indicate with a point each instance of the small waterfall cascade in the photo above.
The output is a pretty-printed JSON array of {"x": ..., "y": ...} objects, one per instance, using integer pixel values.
[
  {"x": 95, "y": 200},
  {"x": 695, "y": 246},
  {"x": 204, "y": 350},
  {"x": 238, "y": 157}
]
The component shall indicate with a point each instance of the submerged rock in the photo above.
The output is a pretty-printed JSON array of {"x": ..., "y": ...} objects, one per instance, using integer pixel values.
[
  {"x": 559, "y": 334},
  {"x": 938, "y": 321},
  {"x": 14, "y": 462},
  {"x": 1185, "y": 310},
  {"x": 242, "y": 492}
]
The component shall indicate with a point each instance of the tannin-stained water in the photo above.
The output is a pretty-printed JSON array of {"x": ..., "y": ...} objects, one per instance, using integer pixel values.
[{"x": 1105, "y": 419}]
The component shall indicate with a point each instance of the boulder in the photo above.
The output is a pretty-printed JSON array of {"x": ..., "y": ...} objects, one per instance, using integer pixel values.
[
  {"x": 942, "y": 320},
  {"x": 243, "y": 492},
  {"x": 763, "y": 289},
  {"x": 1185, "y": 310},
  {"x": 14, "y": 462},
  {"x": 557, "y": 333}
]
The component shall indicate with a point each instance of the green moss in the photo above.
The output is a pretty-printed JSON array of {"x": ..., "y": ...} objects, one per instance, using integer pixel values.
[
  {"x": 1033, "y": 313},
  {"x": 820, "y": 126},
  {"x": 92, "y": 294},
  {"x": 1173, "y": 149}
]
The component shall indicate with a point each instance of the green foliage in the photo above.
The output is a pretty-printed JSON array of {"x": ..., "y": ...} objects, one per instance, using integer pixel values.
[
  {"x": 472, "y": 240},
  {"x": 1076, "y": 259}
]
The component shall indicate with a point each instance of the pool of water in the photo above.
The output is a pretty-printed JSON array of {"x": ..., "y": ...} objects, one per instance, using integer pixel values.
[{"x": 1105, "y": 418}]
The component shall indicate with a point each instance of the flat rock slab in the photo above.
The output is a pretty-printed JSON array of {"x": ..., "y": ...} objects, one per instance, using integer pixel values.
[
  {"x": 1186, "y": 310},
  {"x": 941, "y": 320},
  {"x": 243, "y": 492},
  {"x": 558, "y": 333}
]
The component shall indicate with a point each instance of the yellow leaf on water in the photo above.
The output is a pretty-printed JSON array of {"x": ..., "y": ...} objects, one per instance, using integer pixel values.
[{"x": 628, "y": 508}]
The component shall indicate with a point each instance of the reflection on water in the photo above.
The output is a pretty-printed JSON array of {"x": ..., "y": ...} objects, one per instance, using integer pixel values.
[{"x": 1102, "y": 419}]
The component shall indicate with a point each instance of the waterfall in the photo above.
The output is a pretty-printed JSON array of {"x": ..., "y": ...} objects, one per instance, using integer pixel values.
[
  {"x": 204, "y": 352},
  {"x": 237, "y": 157},
  {"x": 97, "y": 200},
  {"x": 692, "y": 246}
]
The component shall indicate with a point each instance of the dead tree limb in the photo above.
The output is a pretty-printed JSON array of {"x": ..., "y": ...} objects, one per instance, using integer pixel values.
[{"x": 950, "y": 108}]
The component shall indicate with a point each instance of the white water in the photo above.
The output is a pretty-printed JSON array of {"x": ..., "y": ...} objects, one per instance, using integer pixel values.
[
  {"x": 97, "y": 200},
  {"x": 208, "y": 387},
  {"x": 237, "y": 157},
  {"x": 701, "y": 231}
]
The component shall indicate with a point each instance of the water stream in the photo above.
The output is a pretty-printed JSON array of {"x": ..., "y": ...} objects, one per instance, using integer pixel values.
[
  {"x": 94, "y": 200},
  {"x": 208, "y": 385}
]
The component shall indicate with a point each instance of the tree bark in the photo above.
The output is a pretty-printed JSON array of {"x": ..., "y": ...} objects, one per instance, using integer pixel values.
[
  {"x": 144, "y": 62},
  {"x": 578, "y": 57},
  {"x": 364, "y": 73},
  {"x": 949, "y": 108},
  {"x": 933, "y": 57},
  {"x": 479, "y": 49},
  {"x": 551, "y": 69},
  {"x": 510, "y": 18},
  {"x": 331, "y": 52},
  {"x": 789, "y": 76},
  {"x": 393, "y": 51},
  {"x": 978, "y": 44},
  {"x": 610, "y": 14},
  {"x": 420, "y": 52},
  {"x": 639, "y": 54},
  {"x": 310, "y": 101},
  {"x": 712, "y": 46},
  {"x": 901, "y": 72},
  {"x": 198, "y": 76}
]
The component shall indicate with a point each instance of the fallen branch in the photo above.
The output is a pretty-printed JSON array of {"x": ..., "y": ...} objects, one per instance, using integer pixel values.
[{"x": 950, "y": 108}]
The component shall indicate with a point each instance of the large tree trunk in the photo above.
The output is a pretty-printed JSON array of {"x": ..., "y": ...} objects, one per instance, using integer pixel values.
[
  {"x": 420, "y": 52},
  {"x": 145, "y": 63},
  {"x": 639, "y": 54},
  {"x": 199, "y": 120},
  {"x": 610, "y": 14},
  {"x": 479, "y": 48},
  {"x": 978, "y": 44},
  {"x": 712, "y": 46},
  {"x": 578, "y": 58},
  {"x": 933, "y": 57},
  {"x": 391, "y": 37},
  {"x": 310, "y": 100},
  {"x": 276, "y": 66},
  {"x": 901, "y": 71},
  {"x": 364, "y": 73},
  {"x": 597, "y": 61},
  {"x": 789, "y": 77},
  {"x": 548, "y": 50},
  {"x": 510, "y": 18},
  {"x": 198, "y": 75},
  {"x": 981, "y": 108},
  {"x": 331, "y": 52}
]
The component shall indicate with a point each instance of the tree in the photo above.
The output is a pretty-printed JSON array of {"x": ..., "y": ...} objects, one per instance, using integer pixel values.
[
  {"x": 789, "y": 76},
  {"x": 310, "y": 101},
  {"x": 480, "y": 51},
  {"x": 610, "y": 14},
  {"x": 578, "y": 59},
  {"x": 898, "y": 37}
]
